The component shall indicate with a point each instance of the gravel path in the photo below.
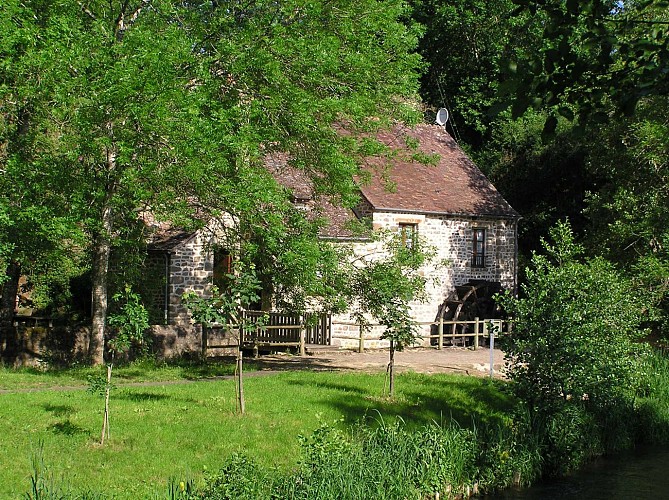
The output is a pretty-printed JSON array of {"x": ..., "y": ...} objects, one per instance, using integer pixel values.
[{"x": 448, "y": 360}]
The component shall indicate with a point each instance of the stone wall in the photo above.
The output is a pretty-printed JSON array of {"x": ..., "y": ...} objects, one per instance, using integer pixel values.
[
  {"x": 191, "y": 268},
  {"x": 452, "y": 239}
]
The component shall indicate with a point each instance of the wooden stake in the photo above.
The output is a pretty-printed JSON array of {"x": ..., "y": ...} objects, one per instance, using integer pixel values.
[
  {"x": 105, "y": 421},
  {"x": 391, "y": 369},
  {"x": 240, "y": 380}
]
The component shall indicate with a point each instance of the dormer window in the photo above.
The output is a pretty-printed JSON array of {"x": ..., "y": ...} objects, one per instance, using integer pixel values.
[{"x": 478, "y": 247}]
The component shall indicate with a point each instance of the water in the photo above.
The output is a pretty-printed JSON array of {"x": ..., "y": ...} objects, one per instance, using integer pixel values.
[{"x": 643, "y": 474}]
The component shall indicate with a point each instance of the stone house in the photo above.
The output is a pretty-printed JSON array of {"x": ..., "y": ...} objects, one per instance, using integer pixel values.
[{"x": 429, "y": 188}]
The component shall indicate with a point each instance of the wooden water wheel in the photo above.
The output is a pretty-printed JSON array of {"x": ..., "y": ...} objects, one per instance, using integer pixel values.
[{"x": 471, "y": 300}]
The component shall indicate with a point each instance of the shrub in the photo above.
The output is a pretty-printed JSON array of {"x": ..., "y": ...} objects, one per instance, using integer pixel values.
[{"x": 572, "y": 355}]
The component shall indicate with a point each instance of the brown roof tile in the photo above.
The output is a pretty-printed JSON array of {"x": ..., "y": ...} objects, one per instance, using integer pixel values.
[
  {"x": 451, "y": 184},
  {"x": 454, "y": 185}
]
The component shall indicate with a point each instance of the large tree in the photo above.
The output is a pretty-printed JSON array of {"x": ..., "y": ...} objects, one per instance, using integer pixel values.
[
  {"x": 172, "y": 106},
  {"x": 628, "y": 212},
  {"x": 595, "y": 54},
  {"x": 466, "y": 43}
]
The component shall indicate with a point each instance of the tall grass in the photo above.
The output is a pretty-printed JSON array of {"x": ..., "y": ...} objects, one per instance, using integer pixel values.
[
  {"x": 652, "y": 405},
  {"x": 389, "y": 461}
]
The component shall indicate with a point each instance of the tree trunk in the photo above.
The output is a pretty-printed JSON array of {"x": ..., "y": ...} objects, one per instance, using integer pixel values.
[
  {"x": 8, "y": 344},
  {"x": 100, "y": 271},
  {"x": 99, "y": 309}
]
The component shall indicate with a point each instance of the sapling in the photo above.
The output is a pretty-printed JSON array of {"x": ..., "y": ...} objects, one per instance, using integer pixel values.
[
  {"x": 129, "y": 324},
  {"x": 242, "y": 288},
  {"x": 383, "y": 288}
]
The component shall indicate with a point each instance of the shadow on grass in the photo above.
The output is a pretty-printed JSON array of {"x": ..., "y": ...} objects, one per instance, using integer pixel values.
[
  {"x": 142, "y": 396},
  {"x": 67, "y": 428},
  {"x": 420, "y": 400},
  {"x": 58, "y": 410}
]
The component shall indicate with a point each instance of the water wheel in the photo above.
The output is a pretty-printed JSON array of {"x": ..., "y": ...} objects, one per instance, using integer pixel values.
[{"x": 471, "y": 300}]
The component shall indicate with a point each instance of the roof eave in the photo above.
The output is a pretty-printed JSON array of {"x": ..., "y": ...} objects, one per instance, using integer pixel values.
[{"x": 515, "y": 215}]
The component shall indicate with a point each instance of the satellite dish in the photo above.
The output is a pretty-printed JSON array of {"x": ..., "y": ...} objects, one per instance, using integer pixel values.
[{"x": 442, "y": 116}]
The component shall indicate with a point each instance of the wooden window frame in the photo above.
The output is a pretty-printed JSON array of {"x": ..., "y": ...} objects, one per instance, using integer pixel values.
[
  {"x": 408, "y": 233},
  {"x": 222, "y": 265},
  {"x": 478, "y": 247}
]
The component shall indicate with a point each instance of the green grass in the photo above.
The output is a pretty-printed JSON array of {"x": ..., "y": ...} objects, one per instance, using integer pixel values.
[
  {"x": 139, "y": 371},
  {"x": 180, "y": 431}
]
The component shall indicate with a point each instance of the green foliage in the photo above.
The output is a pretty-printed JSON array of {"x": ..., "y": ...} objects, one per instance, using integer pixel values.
[
  {"x": 572, "y": 355},
  {"x": 386, "y": 462},
  {"x": 545, "y": 181},
  {"x": 466, "y": 42},
  {"x": 628, "y": 211},
  {"x": 652, "y": 404},
  {"x": 108, "y": 111},
  {"x": 382, "y": 288},
  {"x": 575, "y": 329},
  {"x": 238, "y": 478},
  {"x": 594, "y": 53},
  {"x": 97, "y": 383},
  {"x": 242, "y": 288},
  {"x": 131, "y": 322}
]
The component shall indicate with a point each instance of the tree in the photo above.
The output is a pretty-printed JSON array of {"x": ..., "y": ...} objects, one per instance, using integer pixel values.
[
  {"x": 172, "y": 107},
  {"x": 572, "y": 353},
  {"x": 596, "y": 53},
  {"x": 39, "y": 235},
  {"x": 544, "y": 180},
  {"x": 628, "y": 211},
  {"x": 130, "y": 325},
  {"x": 381, "y": 288},
  {"x": 465, "y": 44}
]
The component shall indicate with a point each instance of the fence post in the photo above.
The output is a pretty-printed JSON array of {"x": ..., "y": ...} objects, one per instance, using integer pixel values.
[
  {"x": 476, "y": 332},
  {"x": 303, "y": 330},
  {"x": 361, "y": 346},
  {"x": 441, "y": 331},
  {"x": 204, "y": 341},
  {"x": 492, "y": 350}
]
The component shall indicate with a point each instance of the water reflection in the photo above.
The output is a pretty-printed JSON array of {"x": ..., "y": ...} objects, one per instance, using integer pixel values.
[{"x": 643, "y": 474}]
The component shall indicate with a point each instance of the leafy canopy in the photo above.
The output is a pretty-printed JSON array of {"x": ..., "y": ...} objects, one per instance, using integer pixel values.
[{"x": 575, "y": 328}]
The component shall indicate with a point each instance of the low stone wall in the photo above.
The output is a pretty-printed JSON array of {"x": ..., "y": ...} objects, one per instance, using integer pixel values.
[
  {"x": 57, "y": 345},
  {"x": 63, "y": 345}
]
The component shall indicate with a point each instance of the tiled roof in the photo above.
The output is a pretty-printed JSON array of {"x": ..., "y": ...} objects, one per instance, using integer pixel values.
[
  {"x": 298, "y": 183},
  {"x": 400, "y": 182},
  {"x": 454, "y": 185}
]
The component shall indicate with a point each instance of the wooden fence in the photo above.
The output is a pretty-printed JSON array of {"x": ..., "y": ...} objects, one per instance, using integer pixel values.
[
  {"x": 275, "y": 330},
  {"x": 286, "y": 330},
  {"x": 474, "y": 331}
]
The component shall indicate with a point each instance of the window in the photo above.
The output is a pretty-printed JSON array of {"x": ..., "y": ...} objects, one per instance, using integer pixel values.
[
  {"x": 478, "y": 247},
  {"x": 222, "y": 266},
  {"x": 408, "y": 234}
]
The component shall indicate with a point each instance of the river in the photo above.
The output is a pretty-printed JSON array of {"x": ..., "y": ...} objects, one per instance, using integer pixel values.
[{"x": 642, "y": 474}]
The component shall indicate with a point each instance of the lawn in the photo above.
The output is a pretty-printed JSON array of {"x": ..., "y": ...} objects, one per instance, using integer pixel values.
[{"x": 181, "y": 431}]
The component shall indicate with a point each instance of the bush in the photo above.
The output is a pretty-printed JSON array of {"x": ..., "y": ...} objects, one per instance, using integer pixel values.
[
  {"x": 575, "y": 330},
  {"x": 572, "y": 355}
]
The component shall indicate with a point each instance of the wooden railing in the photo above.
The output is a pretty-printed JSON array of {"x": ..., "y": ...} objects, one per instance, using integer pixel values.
[
  {"x": 448, "y": 330},
  {"x": 275, "y": 330}
]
